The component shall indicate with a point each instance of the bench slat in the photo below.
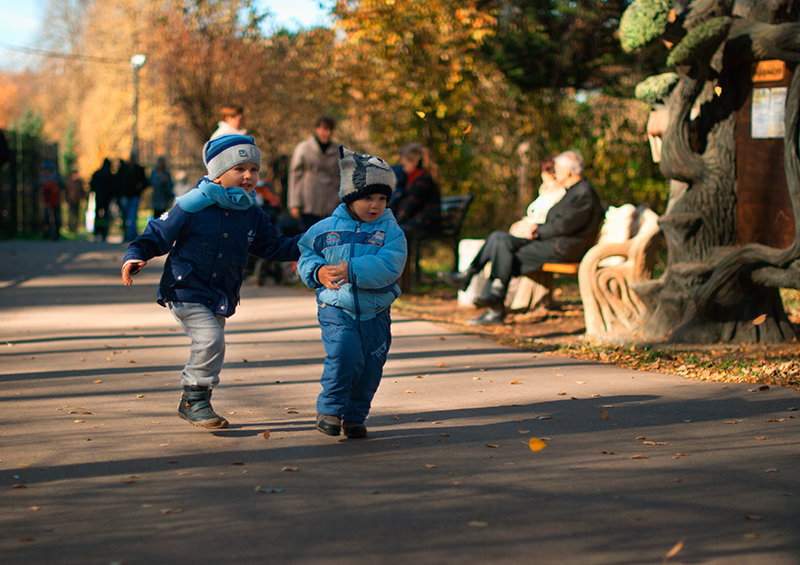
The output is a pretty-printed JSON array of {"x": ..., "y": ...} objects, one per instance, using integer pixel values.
[{"x": 561, "y": 268}]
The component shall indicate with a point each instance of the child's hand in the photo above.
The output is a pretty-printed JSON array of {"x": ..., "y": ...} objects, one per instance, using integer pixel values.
[
  {"x": 333, "y": 276},
  {"x": 129, "y": 269}
]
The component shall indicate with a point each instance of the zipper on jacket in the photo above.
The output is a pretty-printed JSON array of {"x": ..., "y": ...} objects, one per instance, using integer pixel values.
[{"x": 353, "y": 287}]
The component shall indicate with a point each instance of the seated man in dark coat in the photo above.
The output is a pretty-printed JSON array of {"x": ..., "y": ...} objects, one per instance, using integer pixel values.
[{"x": 570, "y": 229}]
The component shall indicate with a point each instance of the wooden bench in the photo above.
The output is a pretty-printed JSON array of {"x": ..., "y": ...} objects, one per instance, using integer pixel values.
[
  {"x": 623, "y": 255},
  {"x": 453, "y": 210}
]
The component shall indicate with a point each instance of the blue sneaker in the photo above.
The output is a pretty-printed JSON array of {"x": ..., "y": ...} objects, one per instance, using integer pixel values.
[{"x": 195, "y": 407}]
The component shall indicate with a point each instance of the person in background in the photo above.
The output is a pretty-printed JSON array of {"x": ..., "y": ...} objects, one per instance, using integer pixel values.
[
  {"x": 418, "y": 207},
  {"x": 314, "y": 175},
  {"x": 550, "y": 192},
  {"x": 570, "y": 229},
  {"x": 163, "y": 187},
  {"x": 76, "y": 194},
  {"x": 131, "y": 182},
  {"x": 231, "y": 121},
  {"x": 102, "y": 185},
  {"x": 51, "y": 188}
]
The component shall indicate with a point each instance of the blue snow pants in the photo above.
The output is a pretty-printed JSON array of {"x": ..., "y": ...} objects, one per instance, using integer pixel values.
[{"x": 356, "y": 352}]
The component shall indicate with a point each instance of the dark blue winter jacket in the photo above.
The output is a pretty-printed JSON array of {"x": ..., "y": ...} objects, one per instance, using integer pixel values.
[{"x": 208, "y": 252}]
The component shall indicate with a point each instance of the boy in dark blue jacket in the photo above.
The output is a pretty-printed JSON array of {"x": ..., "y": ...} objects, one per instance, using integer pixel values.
[{"x": 208, "y": 234}]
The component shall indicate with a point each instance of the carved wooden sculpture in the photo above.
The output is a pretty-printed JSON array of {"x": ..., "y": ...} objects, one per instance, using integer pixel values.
[{"x": 713, "y": 289}]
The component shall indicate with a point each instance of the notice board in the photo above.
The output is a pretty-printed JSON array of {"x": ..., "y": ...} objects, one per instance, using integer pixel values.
[{"x": 764, "y": 211}]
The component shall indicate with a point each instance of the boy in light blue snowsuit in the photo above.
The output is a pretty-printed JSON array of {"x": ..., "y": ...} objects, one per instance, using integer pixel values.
[{"x": 354, "y": 259}]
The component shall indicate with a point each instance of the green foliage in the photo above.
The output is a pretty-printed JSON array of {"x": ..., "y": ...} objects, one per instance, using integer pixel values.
[
  {"x": 656, "y": 88},
  {"x": 643, "y": 21},
  {"x": 560, "y": 43},
  {"x": 699, "y": 42},
  {"x": 29, "y": 123},
  {"x": 68, "y": 149}
]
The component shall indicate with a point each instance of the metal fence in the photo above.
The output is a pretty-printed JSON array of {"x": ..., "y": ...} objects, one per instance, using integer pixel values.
[{"x": 20, "y": 201}]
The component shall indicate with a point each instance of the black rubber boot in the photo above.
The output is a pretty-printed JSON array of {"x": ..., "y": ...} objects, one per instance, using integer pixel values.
[{"x": 195, "y": 407}]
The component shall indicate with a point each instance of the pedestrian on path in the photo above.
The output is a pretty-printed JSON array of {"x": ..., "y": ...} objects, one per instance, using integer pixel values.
[
  {"x": 51, "y": 187},
  {"x": 201, "y": 287},
  {"x": 354, "y": 259}
]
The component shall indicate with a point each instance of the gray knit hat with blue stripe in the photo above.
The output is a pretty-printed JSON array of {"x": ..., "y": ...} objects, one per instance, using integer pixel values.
[
  {"x": 227, "y": 151},
  {"x": 362, "y": 175}
]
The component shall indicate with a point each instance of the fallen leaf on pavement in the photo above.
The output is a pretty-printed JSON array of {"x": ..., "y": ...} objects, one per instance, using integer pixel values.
[
  {"x": 754, "y": 518},
  {"x": 674, "y": 551},
  {"x": 535, "y": 444}
]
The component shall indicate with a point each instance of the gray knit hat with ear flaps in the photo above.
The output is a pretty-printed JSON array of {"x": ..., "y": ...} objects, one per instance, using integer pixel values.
[{"x": 362, "y": 175}]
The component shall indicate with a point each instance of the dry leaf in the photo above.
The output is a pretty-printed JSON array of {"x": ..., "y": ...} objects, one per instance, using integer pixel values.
[
  {"x": 35, "y": 508},
  {"x": 429, "y": 466},
  {"x": 639, "y": 457},
  {"x": 674, "y": 551},
  {"x": 477, "y": 524},
  {"x": 410, "y": 392},
  {"x": 760, "y": 320},
  {"x": 754, "y": 518},
  {"x": 760, "y": 438},
  {"x": 98, "y": 381},
  {"x": 654, "y": 443},
  {"x": 492, "y": 445},
  {"x": 288, "y": 469},
  {"x": 535, "y": 444},
  {"x": 771, "y": 470},
  {"x": 171, "y": 511},
  {"x": 605, "y": 415},
  {"x": 514, "y": 382},
  {"x": 442, "y": 364},
  {"x": 266, "y": 434}
]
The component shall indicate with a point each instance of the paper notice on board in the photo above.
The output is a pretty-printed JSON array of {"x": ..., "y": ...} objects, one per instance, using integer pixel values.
[{"x": 767, "y": 112}]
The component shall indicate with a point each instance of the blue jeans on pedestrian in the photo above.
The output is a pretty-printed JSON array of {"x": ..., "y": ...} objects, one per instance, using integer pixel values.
[
  {"x": 130, "y": 213},
  {"x": 207, "y": 332},
  {"x": 356, "y": 352}
]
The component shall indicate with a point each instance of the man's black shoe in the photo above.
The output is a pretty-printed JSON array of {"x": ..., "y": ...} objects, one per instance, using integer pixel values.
[
  {"x": 489, "y": 301},
  {"x": 456, "y": 279},
  {"x": 489, "y": 318}
]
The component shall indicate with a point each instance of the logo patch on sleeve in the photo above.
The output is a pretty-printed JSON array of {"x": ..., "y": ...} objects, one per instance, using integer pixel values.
[
  {"x": 378, "y": 238},
  {"x": 332, "y": 239}
]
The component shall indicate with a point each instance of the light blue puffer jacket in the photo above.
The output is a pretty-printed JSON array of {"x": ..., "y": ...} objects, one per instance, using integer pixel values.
[{"x": 376, "y": 255}]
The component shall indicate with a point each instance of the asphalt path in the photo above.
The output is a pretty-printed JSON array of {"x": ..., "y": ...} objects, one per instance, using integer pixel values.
[{"x": 477, "y": 453}]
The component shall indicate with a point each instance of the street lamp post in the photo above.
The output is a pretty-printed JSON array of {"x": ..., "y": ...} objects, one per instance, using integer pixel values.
[{"x": 137, "y": 62}]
